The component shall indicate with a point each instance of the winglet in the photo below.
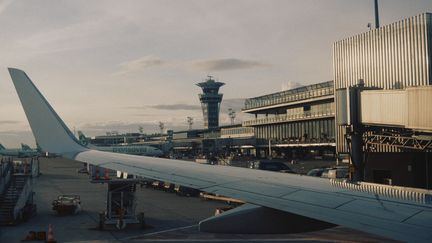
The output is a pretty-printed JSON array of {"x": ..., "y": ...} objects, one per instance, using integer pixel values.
[{"x": 49, "y": 130}]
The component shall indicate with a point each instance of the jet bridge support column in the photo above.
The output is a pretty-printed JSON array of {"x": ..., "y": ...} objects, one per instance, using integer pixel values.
[{"x": 355, "y": 132}]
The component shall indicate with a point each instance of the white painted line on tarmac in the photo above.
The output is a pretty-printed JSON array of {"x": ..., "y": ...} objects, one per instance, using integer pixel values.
[
  {"x": 243, "y": 240},
  {"x": 159, "y": 232}
]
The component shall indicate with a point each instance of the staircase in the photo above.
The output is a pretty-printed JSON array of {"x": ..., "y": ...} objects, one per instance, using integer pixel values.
[
  {"x": 9, "y": 199},
  {"x": 121, "y": 195}
]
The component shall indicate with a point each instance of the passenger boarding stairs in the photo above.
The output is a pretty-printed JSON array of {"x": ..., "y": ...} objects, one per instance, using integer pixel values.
[
  {"x": 121, "y": 195},
  {"x": 10, "y": 198},
  {"x": 15, "y": 194}
]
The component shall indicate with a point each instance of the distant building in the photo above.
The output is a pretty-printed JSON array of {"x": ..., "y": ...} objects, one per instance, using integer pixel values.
[
  {"x": 210, "y": 102},
  {"x": 115, "y": 139},
  {"x": 294, "y": 121}
]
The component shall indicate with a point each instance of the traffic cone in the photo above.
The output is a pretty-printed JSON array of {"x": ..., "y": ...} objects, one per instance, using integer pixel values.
[{"x": 50, "y": 236}]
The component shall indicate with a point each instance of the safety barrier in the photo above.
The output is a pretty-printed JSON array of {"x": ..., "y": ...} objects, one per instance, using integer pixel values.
[
  {"x": 34, "y": 167},
  {"x": 22, "y": 199},
  {"x": 289, "y": 117},
  {"x": 4, "y": 181},
  {"x": 397, "y": 192}
]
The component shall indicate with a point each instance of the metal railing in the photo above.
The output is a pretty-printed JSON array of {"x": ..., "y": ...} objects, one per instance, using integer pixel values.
[
  {"x": 237, "y": 132},
  {"x": 34, "y": 167},
  {"x": 284, "y": 97},
  {"x": 5, "y": 175},
  {"x": 23, "y": 197},
  {"x": 289, "y": 117},
  {"x": 397, "y": 192}
]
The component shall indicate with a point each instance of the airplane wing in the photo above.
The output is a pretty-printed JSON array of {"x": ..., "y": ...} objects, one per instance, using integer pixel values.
[{"x": 307, "y": 196}]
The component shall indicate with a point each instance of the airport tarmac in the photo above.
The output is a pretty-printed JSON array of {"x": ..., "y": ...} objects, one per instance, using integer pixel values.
[{"x": 171, "y": 218}]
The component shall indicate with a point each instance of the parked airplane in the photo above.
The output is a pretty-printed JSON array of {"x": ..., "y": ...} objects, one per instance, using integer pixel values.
[
  {"x": 270, "y": 196},
  {"x": 25, "y": 151},
  {"x": 136, "y": 149}
]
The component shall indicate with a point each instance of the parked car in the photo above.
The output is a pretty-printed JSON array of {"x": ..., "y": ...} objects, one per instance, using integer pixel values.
[
  {"x": 318, "y": 172},
  {"x": 271, "y": 166},
  {"x": 158, "y": 185},
  {"x": 338, "y": 172},
  {"x": 168, "y": 187},
  {"x": 186, "y": 191}
]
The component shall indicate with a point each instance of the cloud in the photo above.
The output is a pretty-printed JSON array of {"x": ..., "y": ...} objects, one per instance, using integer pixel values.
[
  {"x": 235, "y": 104},
  {"x": 139, "y": 64},
  {"x": 226, "y": 64},
  {"x": 7, "y": 122},
  {"x": 76, "y": 36},
  {"x": 290, "y": 85},
  {"x": 4, "y": 4},
  {"x": 172, "y": 107},
  {"x": 177, "y": 107},
  {"x": 13, "y": 138},
  {"x": 101, "y": 128}
]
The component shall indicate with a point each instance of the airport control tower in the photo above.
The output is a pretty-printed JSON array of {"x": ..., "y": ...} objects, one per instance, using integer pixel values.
[{"x": 210, "y": 102}]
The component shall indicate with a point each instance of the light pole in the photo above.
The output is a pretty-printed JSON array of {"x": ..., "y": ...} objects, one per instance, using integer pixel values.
[
  {"x": 190, "y": 122},
  {"x": 232, "y": 115},
  {"x": 161, "y": 127}
]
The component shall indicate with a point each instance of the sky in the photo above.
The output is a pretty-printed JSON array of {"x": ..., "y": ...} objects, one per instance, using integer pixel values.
[{"x": 117, "y": 65}]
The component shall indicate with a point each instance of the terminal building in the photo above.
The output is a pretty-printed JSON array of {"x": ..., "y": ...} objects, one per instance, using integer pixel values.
[
  {"x": 294, "y": 123},
  {"x": 308, "y": 121},
  {"x": 393, "y": 57}
]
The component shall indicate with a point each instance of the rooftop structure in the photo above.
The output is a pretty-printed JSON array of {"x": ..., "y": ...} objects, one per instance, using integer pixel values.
[{"x": 210, "y": 102}]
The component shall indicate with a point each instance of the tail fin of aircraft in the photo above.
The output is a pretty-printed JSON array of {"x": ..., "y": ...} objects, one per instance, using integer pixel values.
[
  {"x": 82, "y": 138},
  {"x": 38, "y": 148},
  {"x": 2, "y": 147},
  {"x": 49, "y": 130},
  {"x": 25, "y": 147}
]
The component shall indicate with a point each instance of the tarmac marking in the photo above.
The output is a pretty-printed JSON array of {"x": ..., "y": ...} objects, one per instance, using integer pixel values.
[
  {"x": 139, "y": 238},
  {"x": 158, "y": 232},
  {"x": 244, "y": 240}
]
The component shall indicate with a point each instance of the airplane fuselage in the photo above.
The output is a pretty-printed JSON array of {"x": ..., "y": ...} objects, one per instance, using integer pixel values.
[
  {"x": 18, "y": 153},
  {"x": 131, "y": 149}
]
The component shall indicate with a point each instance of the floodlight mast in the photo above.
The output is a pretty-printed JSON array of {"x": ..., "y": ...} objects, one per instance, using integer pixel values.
[{"x": 376, "y": 15}]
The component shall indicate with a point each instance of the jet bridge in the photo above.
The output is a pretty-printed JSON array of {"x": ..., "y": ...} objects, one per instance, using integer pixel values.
[
  {"x": 398, "y": 118},
  {"x": 410, "y": 108}
]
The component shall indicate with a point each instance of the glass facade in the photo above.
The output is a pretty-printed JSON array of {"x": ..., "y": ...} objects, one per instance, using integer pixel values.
[
  {"x": 237, "y": 132},
  {"x": 299, "y": 115},
  {"x": 303, "y": 115},
  {"x": 311, "y": 131},
  {"x": 298, "y": 94}
]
